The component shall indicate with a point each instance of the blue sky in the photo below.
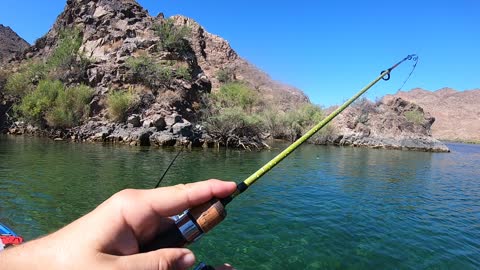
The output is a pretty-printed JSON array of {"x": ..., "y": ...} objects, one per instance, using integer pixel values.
[{"x": 329, "y": 49}]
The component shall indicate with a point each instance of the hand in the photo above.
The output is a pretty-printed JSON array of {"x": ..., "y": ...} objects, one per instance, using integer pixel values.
[{"x": 109, "y": 237}]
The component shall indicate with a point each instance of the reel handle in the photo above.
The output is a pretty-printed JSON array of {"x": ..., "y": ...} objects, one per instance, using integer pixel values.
[{"x": 186, "y": 228}]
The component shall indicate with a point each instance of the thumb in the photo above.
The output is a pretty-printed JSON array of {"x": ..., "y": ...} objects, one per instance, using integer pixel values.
[{"x": 162, "y": 259}]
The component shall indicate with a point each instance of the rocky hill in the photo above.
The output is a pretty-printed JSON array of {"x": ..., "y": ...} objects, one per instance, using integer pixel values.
[
  {"x": 10, "y": 44},
  {"x": 118, "y": 38},
  {"x": 457, "y": 113},
  {"x": 114, "y": 30}
]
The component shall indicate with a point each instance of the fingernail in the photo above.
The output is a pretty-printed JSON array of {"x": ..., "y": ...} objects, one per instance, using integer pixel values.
[{"x": 186, "y": 261}]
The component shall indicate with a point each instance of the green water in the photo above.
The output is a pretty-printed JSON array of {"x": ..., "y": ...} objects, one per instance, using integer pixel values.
[{"x": 322, "y": 208}]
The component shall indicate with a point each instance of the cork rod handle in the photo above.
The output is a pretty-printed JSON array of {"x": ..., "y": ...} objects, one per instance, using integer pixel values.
[{"x": 189, "y": 227}]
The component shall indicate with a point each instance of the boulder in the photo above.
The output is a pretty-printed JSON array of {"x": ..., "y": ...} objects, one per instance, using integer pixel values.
[
  {"x": 134, "y": 120},
  {"x": 183, "y": 129},
  {"x": 158, "y": 122},
  {"x": 170, "y": 120},
  {"x": 163, "y": 139}
]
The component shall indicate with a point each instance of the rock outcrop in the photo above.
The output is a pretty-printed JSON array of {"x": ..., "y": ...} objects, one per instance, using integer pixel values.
[
  {"x": 11, "y": 45},
  {"x": 392, "y": 123},
  {"x": 457, "y": 113}
]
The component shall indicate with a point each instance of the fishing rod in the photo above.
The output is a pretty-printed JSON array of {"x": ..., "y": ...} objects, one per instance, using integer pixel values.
[{"x": 189, "y": 226}]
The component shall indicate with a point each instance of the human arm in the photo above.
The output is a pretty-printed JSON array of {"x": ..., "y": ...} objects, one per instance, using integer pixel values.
[{"x": 109, "y": 237}]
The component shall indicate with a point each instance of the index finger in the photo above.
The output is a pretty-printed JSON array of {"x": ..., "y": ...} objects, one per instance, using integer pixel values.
[{"x": 173, "y": 200}]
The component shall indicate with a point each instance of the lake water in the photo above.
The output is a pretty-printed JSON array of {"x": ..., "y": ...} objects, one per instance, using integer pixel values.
[{"x": 321, "y": 208}]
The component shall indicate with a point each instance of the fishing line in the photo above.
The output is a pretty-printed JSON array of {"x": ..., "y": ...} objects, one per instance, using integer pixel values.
[
  {"x": 415, "y": 59},
  {"x": 168, "y": 168}
]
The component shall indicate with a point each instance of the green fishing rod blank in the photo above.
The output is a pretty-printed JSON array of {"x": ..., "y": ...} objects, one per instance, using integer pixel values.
[{"x": 193, "y": 223}]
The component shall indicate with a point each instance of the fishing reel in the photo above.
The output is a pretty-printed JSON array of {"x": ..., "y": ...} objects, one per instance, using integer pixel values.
[{"x": 189, "y": 226}]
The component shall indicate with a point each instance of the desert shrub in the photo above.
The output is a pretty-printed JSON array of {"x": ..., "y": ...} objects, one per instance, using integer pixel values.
[
  {"x": 53, "y": 102},
  {"x": 119, "y": 102},
  {"x": 299, "y": 120},
  {"x": 170, "y": 98},
  {"x": 25, "y": 80},
  {"x": 142, "y": 65},
  {"x": 165, "y": 74},
  {"x": 145, "y": 70},
  {"x": 234, "y": 121},
  {"x": 183, "y": 72},
  {"x": 225, "y": 75},
  {"x": 236, "y": 94},
  {"x": 295, "y": 122},
  {"x": 273, "y": 121},
  {"x": 228, "y": 115},
  {"x": 70, "y": 107},
  {"x": 33, "y": 106},
  {"x": 237, "y": 111},
  {"x": 172, "y": 38},
  {"x": 415, "y": 117},
  {"x": 66, "y": 63},
  {"x": 3, "y": 78},
  {"x": 66, "y": 53}
]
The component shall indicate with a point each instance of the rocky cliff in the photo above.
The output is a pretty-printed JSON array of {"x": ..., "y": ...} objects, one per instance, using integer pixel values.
[
  {"x": 392, "y": 123},
  {"x": 10, "y": 44},
  {"x": 457, "y": 113}
]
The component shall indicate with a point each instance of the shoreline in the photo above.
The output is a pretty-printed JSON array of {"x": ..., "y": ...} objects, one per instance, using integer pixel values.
[
  {"x": 182, "y": 143},
  {"x": 460, "y": 141}
]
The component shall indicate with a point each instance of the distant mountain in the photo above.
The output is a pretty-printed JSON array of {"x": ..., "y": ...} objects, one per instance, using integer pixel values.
[
  {"x": 457, "y": 113},
  {"x": 10, "y": 44}
]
